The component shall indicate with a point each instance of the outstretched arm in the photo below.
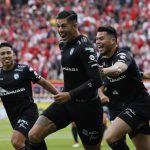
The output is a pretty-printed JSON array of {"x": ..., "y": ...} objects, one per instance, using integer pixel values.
[
  {"x": 145, "y": 75},
  {"x": 47, "y": 85},
  {"x": 115, "y": 70}
]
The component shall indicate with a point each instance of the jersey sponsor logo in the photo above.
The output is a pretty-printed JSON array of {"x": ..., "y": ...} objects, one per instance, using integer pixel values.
[
  {"x": 16, "y": 76},
  {"x": 81, "y": 100},
  {"x": 92, "y": 135},
  {"x": 79, "y": 42},
  {"x": 19, "y": 70},
  {"x": 90, "y": 84},
  {"x": 70, "y": 69},
  {"x": 104, "y": 57},
  {"x": 35, "y": 73},
  {"x": 21, "y": 66},
  {"x": 23, "y": 123},
  {"x": 89, "y": 62},
  {"x": 92, "y": 57},
  {"x": 83, "y": 40},
  {"x": 122, "y": 54},
  {"x": 129, "y": 112},
  {"x": 94, "y": 65},
  {"x": 123, "y": 61},
  {"x": 122, "y": 57},
  {"x": 3, "y": 92},
  {"x": 31, "y": 69},
  {"x": 90, "y": 49},
  {"x": 114, "y": 92},
  {"x": 116, "y": 79},
  {"x": 85, "y": 132},
  {"x": 104, "y": 64},
  {"x": 72, "y": 50}
]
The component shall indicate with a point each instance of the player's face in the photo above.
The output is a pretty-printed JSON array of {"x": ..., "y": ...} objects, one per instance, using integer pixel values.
[
  {"x": 66, "y": 30},
  {"x": 7, "y": 57},
  {"x": 104, "y": 43}
]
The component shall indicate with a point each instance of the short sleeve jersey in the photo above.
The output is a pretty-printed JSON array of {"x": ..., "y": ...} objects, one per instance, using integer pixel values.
[
  {"x": 128, "y": 86},
  {"x": 15, "y": 86},
  {"x": 78, "y": 57}
]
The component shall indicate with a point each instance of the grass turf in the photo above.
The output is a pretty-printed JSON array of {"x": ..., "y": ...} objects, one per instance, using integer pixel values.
[{"x": 61, "y": 140}]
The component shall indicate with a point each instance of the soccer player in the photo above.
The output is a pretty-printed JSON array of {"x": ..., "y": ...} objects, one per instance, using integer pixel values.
[
  {"x": 79, "y": 101},
  {"x": 16, "y": 95},
  {"x": 115, "y": 106},
  {"x": 124, "y": 80},
  {"x": 75, "y": 134}
]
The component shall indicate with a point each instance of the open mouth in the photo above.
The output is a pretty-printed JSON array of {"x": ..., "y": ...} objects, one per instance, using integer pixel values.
[
  {"x": 100, "y": 47},
  {"x": 63, "y": 36}
]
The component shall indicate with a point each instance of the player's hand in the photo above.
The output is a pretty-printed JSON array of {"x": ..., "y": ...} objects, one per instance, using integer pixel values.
[
  {"x": 101, "y": 70},
  {"x": 104, "y": 99},
  {"x": 62, "y": 97}
]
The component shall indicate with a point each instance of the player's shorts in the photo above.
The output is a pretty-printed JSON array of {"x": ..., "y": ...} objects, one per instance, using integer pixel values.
[
  {"x": 87, "y": 116},
  {"x": 115, "y": 108},
  {"x": 114, "y": 114},
  {"x": 24, "y": 121},
  {"x": 137, "y": 116}
]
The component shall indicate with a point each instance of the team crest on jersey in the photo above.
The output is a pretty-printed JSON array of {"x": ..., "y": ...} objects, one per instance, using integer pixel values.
[
  {"x": 71, "y": 51},
  {"x": 16, "y": 76},
  {"x": 92, "y": 57},
  {"x": 122, "y": 55}
]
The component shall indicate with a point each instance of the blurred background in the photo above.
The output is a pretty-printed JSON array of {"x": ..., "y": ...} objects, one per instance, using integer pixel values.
[{"x": 30, "y": 26}]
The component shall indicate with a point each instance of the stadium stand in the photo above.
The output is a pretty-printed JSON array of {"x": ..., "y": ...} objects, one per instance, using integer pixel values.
[{"x": 31, "y": 28}]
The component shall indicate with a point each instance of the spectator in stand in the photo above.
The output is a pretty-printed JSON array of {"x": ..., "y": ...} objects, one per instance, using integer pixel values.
[{"x": 35, "y": 22}]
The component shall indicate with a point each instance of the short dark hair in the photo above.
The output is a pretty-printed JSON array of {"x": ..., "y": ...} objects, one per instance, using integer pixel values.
[
  {"x": 6, "y": 44},
  {"x": 109, "y": 29},
  {"x": 70, "y": 15}
]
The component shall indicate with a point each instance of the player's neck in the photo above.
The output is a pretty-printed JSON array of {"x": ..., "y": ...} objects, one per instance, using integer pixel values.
[
  {"x": 113, "y": 49},
  {"x": 9, "y": 67},
  {"x": 75, "y": 36}
]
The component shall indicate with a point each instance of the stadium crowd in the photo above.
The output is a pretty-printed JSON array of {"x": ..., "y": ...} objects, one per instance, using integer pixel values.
[{"x": 31, "y": 28}]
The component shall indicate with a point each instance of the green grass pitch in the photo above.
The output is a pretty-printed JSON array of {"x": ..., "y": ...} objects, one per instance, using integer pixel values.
[{"x": 61, "y": 140}]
